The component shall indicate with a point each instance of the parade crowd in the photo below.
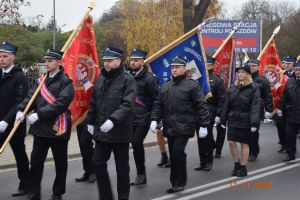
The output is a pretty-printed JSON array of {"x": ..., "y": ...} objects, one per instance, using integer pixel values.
[{"x": 128, "y": 101}]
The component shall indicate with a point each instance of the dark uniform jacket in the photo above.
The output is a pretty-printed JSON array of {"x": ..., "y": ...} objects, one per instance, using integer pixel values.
[
  {"x": 147, "y": 91},
  {"x": 289, "y": 74},
  {"x": 216, "y": 102},
  {"x": 266, "y": 99},
  {"x": 113, "y": 98},
  {"x": 290, "y": 101},
  {"x": 13, "y": 90},
  {"x": 241, "y": 108},
  {"x": 181, "y": 105},
  {"x": 61, "y": 86}
]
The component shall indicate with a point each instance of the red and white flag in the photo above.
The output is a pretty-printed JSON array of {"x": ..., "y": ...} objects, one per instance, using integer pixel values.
[
  {"x": 270, "y": 67},
  {"x": 80, "y": 62},
  {"x": 224, "y": 61}
]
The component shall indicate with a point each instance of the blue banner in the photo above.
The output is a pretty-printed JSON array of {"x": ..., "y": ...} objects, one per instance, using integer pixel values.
[
  {"x": 233, "y": 67},
  {"x": 191, "y": 49}
]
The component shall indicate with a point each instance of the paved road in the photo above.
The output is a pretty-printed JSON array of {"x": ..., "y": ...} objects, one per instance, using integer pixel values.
[{"x": 268, "y": 177}]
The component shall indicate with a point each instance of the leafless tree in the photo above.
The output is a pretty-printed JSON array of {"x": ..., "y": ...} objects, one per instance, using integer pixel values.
[{"x": 9, "y": 11}]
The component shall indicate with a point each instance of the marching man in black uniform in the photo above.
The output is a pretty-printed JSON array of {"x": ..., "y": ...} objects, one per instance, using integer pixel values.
[
  {"x": 181, "y": 105},
  {"x": 147, "y": 91},
  {"x": 289, "y": 65},
  {"x": 289, "y": 104},
  {"x": 50, "y": 126},
  {"x": 13, "y": 90},
  {"x": 110, "y": 120},
  {"x": 215, "y": 105},
  {"x": 266, "y": 105}
]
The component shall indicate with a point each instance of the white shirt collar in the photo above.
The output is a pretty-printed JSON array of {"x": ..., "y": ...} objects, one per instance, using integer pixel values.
[
  {"x": 136, "y": 73},
  {"x": 7, "y": 70},
  {"x": 53, "y": 73}
]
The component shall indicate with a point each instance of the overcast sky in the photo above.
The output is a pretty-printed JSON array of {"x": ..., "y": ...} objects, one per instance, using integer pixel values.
[{"x": 69, "y": 12}]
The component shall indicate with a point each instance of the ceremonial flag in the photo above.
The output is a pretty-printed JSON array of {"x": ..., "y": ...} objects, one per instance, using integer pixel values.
[
  {"x": 188, "y": 46},
  {"x": 80, "y": 62},
  {"x": 224, "y": 63},
  {"x": 270, "y": 67}
]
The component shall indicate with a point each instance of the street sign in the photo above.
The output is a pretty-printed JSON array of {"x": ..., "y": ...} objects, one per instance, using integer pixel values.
[{"x": 248, "y": 35}]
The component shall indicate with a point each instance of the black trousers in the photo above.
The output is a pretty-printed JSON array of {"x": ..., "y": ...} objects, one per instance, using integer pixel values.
[
  {"x": 17, "y": 145},
  {"x": 101, "y": 156},
  {"x": 178, "y": 174},
  {"x": 206, "y": 145},
  {"x": 86, "y": 146},
  {"x": 221, "y": 133},
  {"x": 254, "y": 143},
  {"x": 40, "y": 149},
  {"x": 137, "y": 142},
  {"x": 291, "y": 138},
  {"x": 281, "y": 129}
]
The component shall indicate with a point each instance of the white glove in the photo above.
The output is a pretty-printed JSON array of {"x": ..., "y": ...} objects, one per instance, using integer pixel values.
[
  {"x": 217, "y": 120},
  {"x": 90, "y": 129},
  {"x": 279, "y": 113},
  {"x": 107, "y": 126},
  {"x": 3, "y": 126},
  {"x": 223, "y": 126},
  {"x": 20, "y": 116},
  {"x": 268, "y": 115},
  {"x": 32, "y": 118},
  {"x": 253, "y": 129},
  {"x": 202, "y": 132},
  {"x": 153, "y": 126}
]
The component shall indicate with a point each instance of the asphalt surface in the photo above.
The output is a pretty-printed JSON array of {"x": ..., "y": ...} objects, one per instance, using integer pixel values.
[{"x": 268, "y": 177}]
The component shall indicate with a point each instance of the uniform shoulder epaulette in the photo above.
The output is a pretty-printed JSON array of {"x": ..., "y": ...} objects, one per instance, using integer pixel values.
[{"x": 195, "y": 81}]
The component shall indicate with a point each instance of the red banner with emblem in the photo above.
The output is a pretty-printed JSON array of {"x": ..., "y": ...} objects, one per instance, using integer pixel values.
[
  {"x": 270, "y": 67},
  {"x": 223, "y": 62},
  {"x": 80, "y": 62}
]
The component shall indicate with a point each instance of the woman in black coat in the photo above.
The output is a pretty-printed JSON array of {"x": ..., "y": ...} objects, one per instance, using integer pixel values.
[{"x": 241, "y": 113}]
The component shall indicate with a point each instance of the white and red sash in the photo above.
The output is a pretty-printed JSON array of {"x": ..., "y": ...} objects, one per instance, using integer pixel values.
[{"x": 61, "y": 122}]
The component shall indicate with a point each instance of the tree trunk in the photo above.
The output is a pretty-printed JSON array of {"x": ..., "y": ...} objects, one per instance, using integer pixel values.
[{"x": 193, "y": 14}]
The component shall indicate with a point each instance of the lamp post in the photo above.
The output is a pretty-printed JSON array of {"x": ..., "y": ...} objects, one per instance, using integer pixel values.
[{"x": 54, "y": 25}]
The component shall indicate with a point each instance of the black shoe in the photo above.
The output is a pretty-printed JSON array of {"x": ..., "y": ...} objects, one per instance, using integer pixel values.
[
  {"x": 208, "y": 166},
  {"x": 281, "y": 150},
  {"x": 92, "y": 178},
  {"x": 167, "y": 165},
  {"x": 55, "y": 197},
  {"x": 175, "y": 189},
  {"x": 237, "y": 166},
  {"x": 84, "y": 178},
  {"x": 33, "y": 197},
  {"x": 164, "y": 160},
  {"x": 201, "y": 167},
  {"x": 20, "y": 192},
  {"x": 139, "y": 180},
  {"x": 288, "y": 158},
  {"x": 252, "y": 158},
  {"x": 217, "y": 155},
  {"x": 242, "y": 171}
]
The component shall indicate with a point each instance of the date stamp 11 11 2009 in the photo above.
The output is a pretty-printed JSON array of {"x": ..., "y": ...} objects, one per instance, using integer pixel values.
[{"x": 250, "y": 185}]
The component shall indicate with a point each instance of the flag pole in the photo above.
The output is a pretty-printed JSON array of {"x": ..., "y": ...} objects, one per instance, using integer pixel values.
[
  {"x": 76, "y": 30},
  {"x": 276, "y": 30},
  {"x": 17, "y": 124},
  {"x": 226, "y": 40},
  {"x": 177, "y": 41},
  {"x": 69, "y": 41}
]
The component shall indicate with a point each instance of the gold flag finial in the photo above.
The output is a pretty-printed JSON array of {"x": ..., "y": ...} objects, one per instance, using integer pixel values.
[{"x": 92, "y": 5}]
